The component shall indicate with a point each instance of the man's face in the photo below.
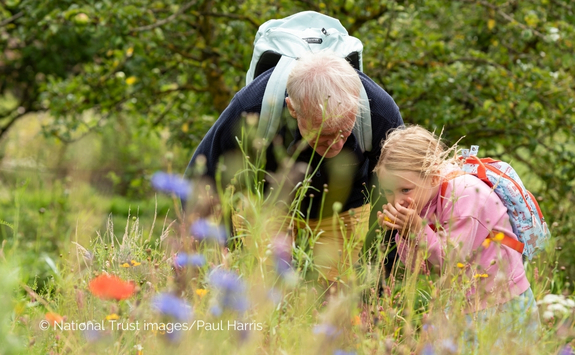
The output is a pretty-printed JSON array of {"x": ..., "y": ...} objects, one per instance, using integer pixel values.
[{"x": 328, "y": 142}]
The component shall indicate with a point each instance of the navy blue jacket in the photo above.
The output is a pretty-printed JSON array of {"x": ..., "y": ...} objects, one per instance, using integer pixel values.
[{"x": 384, "y": 116}]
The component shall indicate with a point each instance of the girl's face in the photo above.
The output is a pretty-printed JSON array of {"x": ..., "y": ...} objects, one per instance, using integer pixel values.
[{"x": 408, "y": 188}]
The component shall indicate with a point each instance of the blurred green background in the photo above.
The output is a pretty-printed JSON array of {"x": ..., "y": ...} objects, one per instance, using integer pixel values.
[{"x": 98, "y": 95}]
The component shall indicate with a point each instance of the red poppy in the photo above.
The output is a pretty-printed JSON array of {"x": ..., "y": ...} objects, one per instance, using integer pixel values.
[{"x": 111, "y": 287}]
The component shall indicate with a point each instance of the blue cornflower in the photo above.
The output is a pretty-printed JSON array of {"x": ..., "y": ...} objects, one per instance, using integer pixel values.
[
  {"x": 343, "y": 352},
  {"x": 204, "y": 230},
  {"x": 428, "y": 350},
  {"x": 170, "y": 183},
  {"x": 567, "y": 350},
  {"x": 183, "y": 259},
  {"x": 231, "y": 290},
  {"x": 282, "y": 255},
  {"x": 328, "y": 330},
  {"x": 449, "y": 345},
  {"x": 172, "y": 306}
]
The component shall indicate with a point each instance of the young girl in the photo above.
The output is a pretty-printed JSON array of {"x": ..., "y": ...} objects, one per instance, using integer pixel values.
[{"x": 451, "y": 228}]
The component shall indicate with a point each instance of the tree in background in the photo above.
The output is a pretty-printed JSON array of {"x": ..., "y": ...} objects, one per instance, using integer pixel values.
[{"x": 498, "y": 72}]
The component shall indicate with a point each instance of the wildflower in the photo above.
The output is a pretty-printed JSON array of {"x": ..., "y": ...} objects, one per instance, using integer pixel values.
[
  {"x": 486, "y": 243},
  {"x": 201, "y": 292},
  {"x": 449, "y": 346},
  {"x": 111, "y": 287},
  {"x": 125, "y": 265},
  {"x": 427, "y": 350},
  {"x": 183, "y": 259},
  {"x": 169, "y": 183},
  {"x": 328, "y": 330},
  {"x": 53, "y": 318},
  {"x": 282, "y": 255},
  {"x": 139, "y": 349},
  {"x": 112, "y": 316},
  {"x": 567, "y": 350},
  {"x": 356, "y": 320},
  {"x": 231, "y": 290},
  {"x": 172, "y": 306},
  {"x": 460, "y": 265},
  {"x": 499, "y": 237},
  {"x": 92, "y": 335},
  {"x": 477, "y": 276},
  {"x": 216, "y": 310},
  {"x": 135, "y": 263},
  {"x": 203, "y": 230},
  {"x": 343, "y": 352}
]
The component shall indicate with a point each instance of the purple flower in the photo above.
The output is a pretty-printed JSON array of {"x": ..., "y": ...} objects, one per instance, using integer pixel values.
[
  {"x": 567, "y": 350},
  {"x": 92, "y": 335},
  {"x": 282, "y": 255},
  {"x": 449, "y": 345},
  {"x": 172, "y": 306},
  {"x": 427, "y": 350},
  {"x": 204, "y": 230},
  {"x": 183, "y": 259},
  {"x": 328, "y": 330},
  {"x": 170, "y": 183},
  {"x": 231, "y": 290},
  {"x": 343, "y": 352}
]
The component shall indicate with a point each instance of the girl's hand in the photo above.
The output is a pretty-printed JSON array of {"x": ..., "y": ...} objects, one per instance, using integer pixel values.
[{"x": 405, "y": 220}]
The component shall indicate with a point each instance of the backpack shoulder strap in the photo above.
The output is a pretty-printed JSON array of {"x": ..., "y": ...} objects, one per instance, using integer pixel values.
[
  {"x": 273, "y": 100},
  {"x": 498, "y": 237},
  {"x": 362, "y": 128}
]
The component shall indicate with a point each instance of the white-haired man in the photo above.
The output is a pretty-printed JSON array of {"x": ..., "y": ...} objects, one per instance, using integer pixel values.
[{"x": 323, "y": 93}]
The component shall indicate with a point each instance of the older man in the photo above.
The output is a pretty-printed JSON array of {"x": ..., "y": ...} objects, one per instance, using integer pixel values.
[{"x": 323, "y": 98}]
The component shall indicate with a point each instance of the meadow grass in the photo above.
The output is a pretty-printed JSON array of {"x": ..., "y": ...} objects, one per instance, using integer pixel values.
[{"x": 261, "y": 293}]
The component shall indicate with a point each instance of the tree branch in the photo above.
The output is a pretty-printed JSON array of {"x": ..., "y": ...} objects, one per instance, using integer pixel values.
[
  {"x": 11, "y": 121},
  {"x": 170, "y": 18},
  {"x": 11, "y": 19},
  {"x": 250, "y": 20},
  {"x": 507, "y": 17},
  {"x": 478, "y": 60}
]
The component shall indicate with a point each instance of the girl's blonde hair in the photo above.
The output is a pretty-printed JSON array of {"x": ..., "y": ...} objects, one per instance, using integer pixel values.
[{"x": 415, "y": 149}]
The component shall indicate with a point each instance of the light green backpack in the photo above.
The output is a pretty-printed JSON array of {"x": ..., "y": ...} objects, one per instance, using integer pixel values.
[{"x": 280, "y": 42}]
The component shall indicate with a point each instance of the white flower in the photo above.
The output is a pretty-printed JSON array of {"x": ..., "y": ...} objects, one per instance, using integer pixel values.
[
  {"x": 547, "y": 315},
  {"x": 557, "y": 307}
]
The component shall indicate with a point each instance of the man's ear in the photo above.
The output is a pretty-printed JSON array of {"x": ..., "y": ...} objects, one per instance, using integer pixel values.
[{"x": 291, "y": 109}]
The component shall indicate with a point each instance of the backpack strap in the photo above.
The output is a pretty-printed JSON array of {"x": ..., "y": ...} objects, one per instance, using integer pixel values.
[
  {"x": 493, "y": 235},
  {"x": 274, "y": 98},
  {"x": 362, "y": 128}
]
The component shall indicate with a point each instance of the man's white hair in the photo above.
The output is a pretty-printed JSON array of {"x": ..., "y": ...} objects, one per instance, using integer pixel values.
[{"x": 324, "y": 85}]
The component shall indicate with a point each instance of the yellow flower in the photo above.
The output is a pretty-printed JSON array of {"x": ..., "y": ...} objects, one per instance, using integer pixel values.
[
  {"x": 201, "y": 292},
  {"x": 135, "y": 263},
  {"x": 460, "y": 265},
  {"x": 112, "y": 316},
  {"x": 125, "y": 265},
  {"x": 131, "y": 80},
  {"x": 486, "y": 243},
  {"x": 385, "y": 218},
  {"x": 356, "y": 320},
  {"x": 480, "y": 276},
  {"x": 499, "y": 237}
]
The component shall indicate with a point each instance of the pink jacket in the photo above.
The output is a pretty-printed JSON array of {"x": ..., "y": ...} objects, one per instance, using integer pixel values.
[{"x": 467, "y": 213}]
